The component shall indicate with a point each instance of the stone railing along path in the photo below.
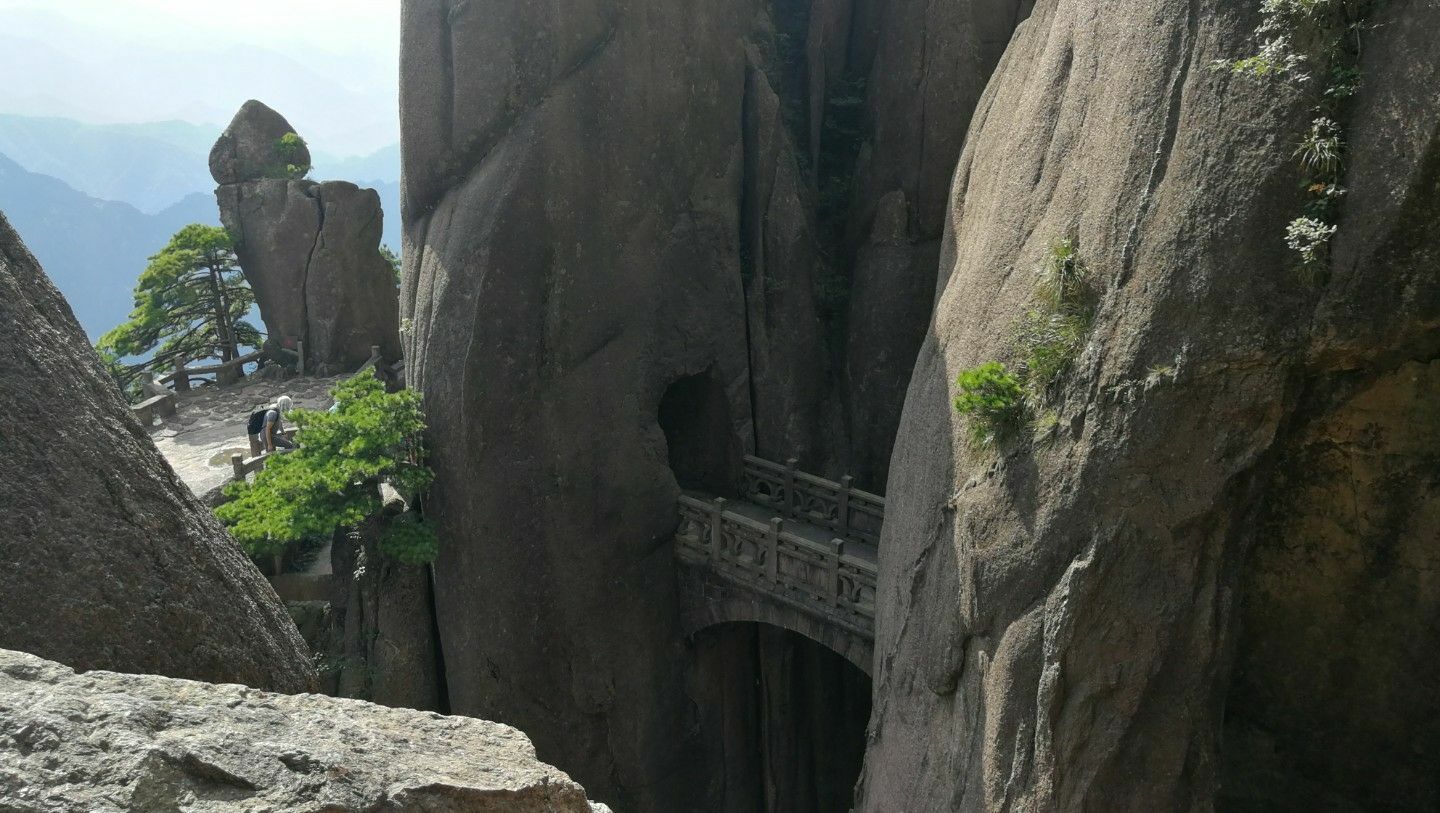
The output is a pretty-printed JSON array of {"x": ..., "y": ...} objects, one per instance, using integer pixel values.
[{"x": 797, "y": 542}]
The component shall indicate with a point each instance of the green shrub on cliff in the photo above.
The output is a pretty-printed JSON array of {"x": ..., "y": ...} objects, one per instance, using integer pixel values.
[
  {"x": 332, "y": 480},
  {"x": 1314, "y": 45},
  {"x": 1048, "y": 339},
  {"x": 993, "y": 399},
  {"x": 1052, "y": 333},
  {"x": 291, "y": 148}
]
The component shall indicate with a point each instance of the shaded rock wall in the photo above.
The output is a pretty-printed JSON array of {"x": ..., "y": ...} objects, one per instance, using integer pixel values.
[
  {"x": 569, "y": 257},
  {"x": 602, "y": 200},
  {"x": 103, "y": 741},
  {"x": 309, "y": 250},
  {"x": 931, "y": 65},
  {"x": 384, "y": 646},
  {"x": 790, "y": 715},
  {"x": 107, "y": 560},
  {"x": 1187, "y": 589}
]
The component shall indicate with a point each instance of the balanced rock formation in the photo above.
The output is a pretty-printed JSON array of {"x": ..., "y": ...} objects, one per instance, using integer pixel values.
[
  {"x": 309, "y": 250},
  {"x": 1211, "y": 585},
  {"x": 107, "y": 560},
  {"x": 102, "y": 741},
  {"x": 250, "y": 147}
]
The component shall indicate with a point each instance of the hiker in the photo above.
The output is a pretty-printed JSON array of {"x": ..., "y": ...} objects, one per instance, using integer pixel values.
[{"x": 266, "y": 427}]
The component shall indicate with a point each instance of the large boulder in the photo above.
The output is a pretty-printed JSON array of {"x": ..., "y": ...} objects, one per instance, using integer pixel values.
[
  {"x": 1215, "y": 570},
  {"x": 251, "y": 149},
  {"x": 568, "y": 260},
  {"x": 110, "y": 742},
  {"x": 107, "y": 560},
  {"x": 309, "y": 250}
]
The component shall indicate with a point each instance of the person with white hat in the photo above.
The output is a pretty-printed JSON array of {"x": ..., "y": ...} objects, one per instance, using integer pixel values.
[{"x": 267, "y": 428}]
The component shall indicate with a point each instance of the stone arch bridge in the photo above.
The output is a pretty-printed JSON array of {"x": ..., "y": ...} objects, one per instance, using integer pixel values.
[{"x": 797, "y": 551}]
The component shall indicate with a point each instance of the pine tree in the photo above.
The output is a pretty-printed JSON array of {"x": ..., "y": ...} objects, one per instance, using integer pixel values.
[{"x": 190, "y": 304}]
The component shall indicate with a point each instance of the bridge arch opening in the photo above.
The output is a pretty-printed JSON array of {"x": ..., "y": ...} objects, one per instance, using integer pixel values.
[
  {"x": 694, "y": 414},
  {"x": 793, "y": 713}
]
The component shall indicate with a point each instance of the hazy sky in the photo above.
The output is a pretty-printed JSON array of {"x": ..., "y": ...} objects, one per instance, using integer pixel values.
[
  {"x": 334, "y": 25},
  {"x": 330, "y": 66}
]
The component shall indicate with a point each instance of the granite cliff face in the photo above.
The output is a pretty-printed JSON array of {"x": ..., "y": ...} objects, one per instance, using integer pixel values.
[
  {"x": 309, "y": 250},
  {"x": 627, "y": 229},
  {"x": 108, "y": 742},
  {"x": 1210, "y": 587},
  {"x": 107, "y": 561}
]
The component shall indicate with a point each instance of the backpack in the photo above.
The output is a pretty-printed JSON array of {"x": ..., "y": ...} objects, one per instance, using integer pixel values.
[{"x": 257, "y": 421}]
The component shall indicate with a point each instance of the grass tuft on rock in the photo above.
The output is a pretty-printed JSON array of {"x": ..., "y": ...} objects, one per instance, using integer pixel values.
[{"x": 1048, "y": 339}]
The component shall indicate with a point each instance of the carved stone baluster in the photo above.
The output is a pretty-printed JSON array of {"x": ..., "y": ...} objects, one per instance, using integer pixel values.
[
  {"x": 842, "y": 513},
  {"x": 838, "y": 550},
  {"x": 237, "y": 464},
  {"x": 717, "y": 530},
  {"x": 792, "y": 502},
  {"x": 772, "y": 549}
]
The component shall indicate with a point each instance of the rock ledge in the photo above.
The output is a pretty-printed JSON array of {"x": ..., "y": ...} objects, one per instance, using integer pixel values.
[{"x": 102, "y": 741}]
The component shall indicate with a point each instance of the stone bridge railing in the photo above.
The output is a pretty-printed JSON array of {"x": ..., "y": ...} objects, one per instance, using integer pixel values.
[
  {"x": 833, "y": 580},
  {"x": 839, "y": 507}
]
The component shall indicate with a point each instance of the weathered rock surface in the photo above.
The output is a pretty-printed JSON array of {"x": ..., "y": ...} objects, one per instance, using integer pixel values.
[
  {"x": 107, "y": 561},
  {"x": 309, "y": 250},
  {"x": 1216, "y": 575},
  {"x": 250, "y": 147},
  {"x": 102, "y": 742},
  {"x": 556, "y": 295}
]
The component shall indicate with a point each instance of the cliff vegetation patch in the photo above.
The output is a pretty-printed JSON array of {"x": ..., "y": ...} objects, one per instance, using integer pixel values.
[
  {"x": 294, "y": 156},
  {"x": 1316, "y": 46},
  {"x": 1047, "y": 339}
]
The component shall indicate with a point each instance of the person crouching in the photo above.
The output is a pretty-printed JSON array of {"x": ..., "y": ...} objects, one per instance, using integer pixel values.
[{"x": 267, "y": 427}]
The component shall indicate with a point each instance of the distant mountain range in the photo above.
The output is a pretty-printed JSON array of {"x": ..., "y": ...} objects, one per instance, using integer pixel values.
[
  {"x": 149, "y": 166},
  {"x": 152, "y": 165},
  {"x": 94, "y": 201},
  {"x": 94, "y": 250}
]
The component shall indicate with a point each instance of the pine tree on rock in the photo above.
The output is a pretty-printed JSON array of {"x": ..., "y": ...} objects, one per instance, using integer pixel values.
[{"x": 190, "y": 303}]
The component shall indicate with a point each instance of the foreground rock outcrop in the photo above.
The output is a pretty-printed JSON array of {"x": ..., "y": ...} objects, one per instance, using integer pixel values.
[
  {"x": 107, "y": 561},
  {"x": 102, "y": 741},
  {"x": 309, "y": 250},
  {"x": 1212, "y": 584}
]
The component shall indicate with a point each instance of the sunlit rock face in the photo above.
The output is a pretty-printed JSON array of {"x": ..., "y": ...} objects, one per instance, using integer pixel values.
[
  {"x": 605, "y": 204},
  {"x": 107, "y": 561},
  {"x": 1208, "y": 584},
  {"x": 309, "y": 250},
  {"x": 106, "y": 741}
]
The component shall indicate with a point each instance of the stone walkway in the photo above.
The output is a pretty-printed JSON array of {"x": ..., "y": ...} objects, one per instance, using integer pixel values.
[{"x": 209, "y": 426}]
